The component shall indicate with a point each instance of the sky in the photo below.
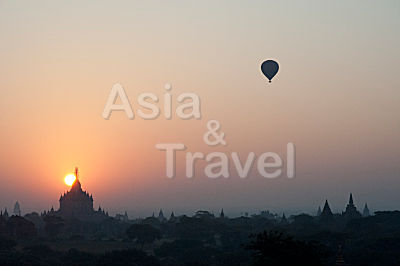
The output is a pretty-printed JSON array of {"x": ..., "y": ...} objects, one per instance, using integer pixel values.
[{"x": 336, "y": 97}]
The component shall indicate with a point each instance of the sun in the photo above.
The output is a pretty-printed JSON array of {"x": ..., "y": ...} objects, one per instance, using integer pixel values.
[{"x": 70, "y": 179}]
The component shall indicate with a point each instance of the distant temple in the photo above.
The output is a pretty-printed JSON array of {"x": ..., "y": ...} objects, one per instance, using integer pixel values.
[
  {"x": 319, "y": 211},
  {"x": 326, "y": 214},
  {"x": 161, "y": 217},
  {"x": 326, "y": 211},
  {"x": 339, "y": 258},
  {"x": 366, "y": 211},
  {"x": 172, "y": 217},
  {"x": 122, "y": 217},
  {"x": 351, "y": 210},
  {"x": 17, "y": 209},
  {"x": 5, "y": 214},
  {"x": 284, "y": 220},
  {"x": 77, "y": 203}
]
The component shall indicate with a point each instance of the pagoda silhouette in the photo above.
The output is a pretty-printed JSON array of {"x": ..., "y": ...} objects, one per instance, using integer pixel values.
[
  {"x": 78, "y": 204},
  {"x": 351, "y": 211}
]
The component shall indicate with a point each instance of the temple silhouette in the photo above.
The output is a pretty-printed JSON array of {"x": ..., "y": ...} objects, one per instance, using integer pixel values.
[
  {"x": 330, "y": 237},
  {"x": 351, "y": 211},
  {"x": 78, "y": 204}
]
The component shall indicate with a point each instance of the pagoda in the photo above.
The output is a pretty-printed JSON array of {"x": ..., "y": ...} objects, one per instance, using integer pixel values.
[
  {"x": 78, "y": 204},
  {"x": 326, "y": 214},
  {"x": 351, "y": 210}
]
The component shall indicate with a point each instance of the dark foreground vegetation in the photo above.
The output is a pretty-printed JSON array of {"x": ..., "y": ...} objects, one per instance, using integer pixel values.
[{"x": 203, "y": 240}]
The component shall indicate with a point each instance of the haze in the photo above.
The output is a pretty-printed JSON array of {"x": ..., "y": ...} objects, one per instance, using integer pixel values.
[{"x": 336, "y": 97}]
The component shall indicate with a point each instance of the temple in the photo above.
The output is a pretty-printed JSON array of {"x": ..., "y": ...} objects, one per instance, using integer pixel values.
[
  {"x": 366, "y": 211},
  {"x": 326, "y": 214},
  {"x": 351, "y": 210},
  {"x": 78, "y": 204}
]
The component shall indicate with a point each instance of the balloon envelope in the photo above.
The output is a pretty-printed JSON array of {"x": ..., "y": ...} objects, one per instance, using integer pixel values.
[{"x": 269, "y": 68}]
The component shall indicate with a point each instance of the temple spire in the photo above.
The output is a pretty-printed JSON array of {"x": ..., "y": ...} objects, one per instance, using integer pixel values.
[
  {"x": 326, "y": 212},
  {"x": 327, "y": 209},
  {"x": 76, "y": 173},
  {"x": 77, "y": 185},
  {"x": 351, "y": 199},
  {"x": 351, "y": 210},
  {"x": 366, "y": 211}
]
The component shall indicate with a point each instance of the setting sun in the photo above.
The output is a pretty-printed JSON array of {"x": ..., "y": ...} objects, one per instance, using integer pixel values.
[{"x": 70, "y": 179}]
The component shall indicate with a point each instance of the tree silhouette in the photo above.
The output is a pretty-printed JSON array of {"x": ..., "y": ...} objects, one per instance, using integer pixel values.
[
  {"x": 143, "y": 233},
  {"x": 7, "y": 244},
  {"x": 275, "y": 248},
  {"x": 18, "y": 227}
]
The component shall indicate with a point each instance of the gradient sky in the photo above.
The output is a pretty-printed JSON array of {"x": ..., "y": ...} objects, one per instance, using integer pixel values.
[{"x": 336, "y": 96}]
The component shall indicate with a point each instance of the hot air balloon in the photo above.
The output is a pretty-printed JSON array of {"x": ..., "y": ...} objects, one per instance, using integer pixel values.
[{"x": 269, "y": 68}]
